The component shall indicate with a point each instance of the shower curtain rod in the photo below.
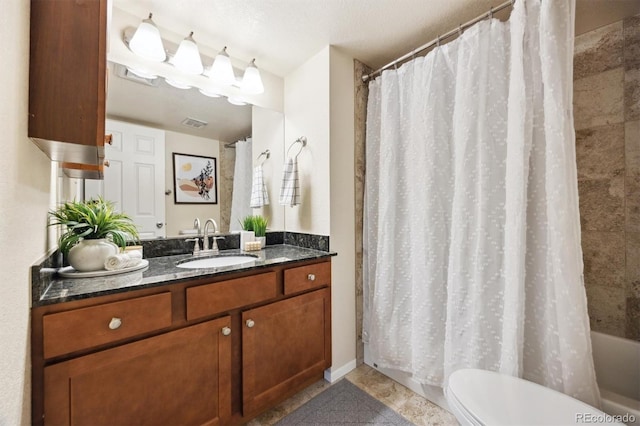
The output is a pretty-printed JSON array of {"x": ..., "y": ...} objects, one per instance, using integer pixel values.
[
  {"x": 440, "y": 38},
  {"x": 233, "y": 144}
]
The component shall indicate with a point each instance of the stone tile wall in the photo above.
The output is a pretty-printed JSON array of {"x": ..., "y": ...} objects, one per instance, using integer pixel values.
[
  {"x": 227, "y": 167},
  {"x": 361, "y": 97},
  {"x": 607, "y": 121}
]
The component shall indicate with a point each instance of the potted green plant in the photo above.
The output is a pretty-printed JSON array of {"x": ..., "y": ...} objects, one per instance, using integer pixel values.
[
  {"x": 93, "y": 230},
  {"x": 247, "y": 234},
  {"x": 246, "y": 223},
  {"x": 260, "y": 228}
]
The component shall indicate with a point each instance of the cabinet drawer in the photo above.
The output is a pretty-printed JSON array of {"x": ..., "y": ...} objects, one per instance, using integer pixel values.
[
  {"x": 307, "y": 277},
  {"x": 70, "y": 331},
  {"x": 210, "y": 299}
]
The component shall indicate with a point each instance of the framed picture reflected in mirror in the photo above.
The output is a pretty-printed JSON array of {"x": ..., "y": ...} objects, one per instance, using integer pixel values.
[{"x": 194, "y": 179}]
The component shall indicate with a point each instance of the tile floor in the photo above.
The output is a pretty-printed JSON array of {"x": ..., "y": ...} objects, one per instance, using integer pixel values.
[{"x": 410, "y": 405}]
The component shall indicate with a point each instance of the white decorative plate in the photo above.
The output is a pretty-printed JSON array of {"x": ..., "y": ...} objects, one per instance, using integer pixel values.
[{"x": 69, "y": 272}]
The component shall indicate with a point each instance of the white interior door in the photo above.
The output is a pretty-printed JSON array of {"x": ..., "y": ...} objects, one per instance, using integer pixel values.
[{"x": 134, "y": 180}]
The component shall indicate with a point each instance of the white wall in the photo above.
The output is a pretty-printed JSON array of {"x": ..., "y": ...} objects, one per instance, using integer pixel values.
[
  {"x": 25, "y": 184},
  {"x": 306, "y": 110},
  {"x": 181, "y": 216},
  {"x": 319, "y": 104},
  {"x": 268, "y": 134},
  {"x": 342, "y": 210}
]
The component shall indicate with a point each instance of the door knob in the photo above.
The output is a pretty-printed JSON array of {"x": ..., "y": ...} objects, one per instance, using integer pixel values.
[
  {"x": 250, "y": 323},
  {"x": 226, "y": 331}
]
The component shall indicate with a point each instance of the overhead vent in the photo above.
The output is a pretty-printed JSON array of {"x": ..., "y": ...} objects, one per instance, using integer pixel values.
[
  {"x": 124, "y": 72},
  {"x": 194, "y": 123}
]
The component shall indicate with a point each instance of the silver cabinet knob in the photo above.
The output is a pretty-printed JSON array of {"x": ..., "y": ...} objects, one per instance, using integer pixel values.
[
  {"x": 159, "y": 225},
  {"x": 311, "y": 277},
  {"x": 115, "y": 323},
  {"x": 250, "y": 323},
  {"x": 226, "y": 331}
]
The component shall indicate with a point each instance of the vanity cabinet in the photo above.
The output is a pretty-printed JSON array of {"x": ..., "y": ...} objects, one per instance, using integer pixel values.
[
  {"x": 181, "y": 377},
  {"x": 284, "y": 344},
  {"x": 67, "y": 82},
  {"x": 214, "y": 351}
]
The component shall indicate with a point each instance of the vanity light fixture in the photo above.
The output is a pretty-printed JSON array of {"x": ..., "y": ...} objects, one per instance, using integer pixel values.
[
  {"x": 221, "y": 71},
  {"x": 187, "y": 57},
  {"x": 251, "y": 81},
  {"x": 215, "y": 81},
  {"x": 146, "y": 41}
]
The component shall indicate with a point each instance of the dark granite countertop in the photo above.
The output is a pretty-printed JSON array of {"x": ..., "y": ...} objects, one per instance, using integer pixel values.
[{"x": 163, "y": 270}]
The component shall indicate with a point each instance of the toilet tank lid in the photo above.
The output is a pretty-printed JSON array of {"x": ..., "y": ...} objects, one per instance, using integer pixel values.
[{"x": 499, "y": 399}]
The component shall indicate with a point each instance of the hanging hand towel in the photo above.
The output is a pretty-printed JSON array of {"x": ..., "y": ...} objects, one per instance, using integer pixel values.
[
  {"x": 290, "y": 189},
  {"x": 259, "y": 195}
]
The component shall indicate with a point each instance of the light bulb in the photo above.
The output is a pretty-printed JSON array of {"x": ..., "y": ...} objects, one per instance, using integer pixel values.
[
  {"x": 251, "y": 81},
  {"x": 187, "y": 57},
  {"x": 146, "y": 41},
  {"x": 221, "y": 71}
]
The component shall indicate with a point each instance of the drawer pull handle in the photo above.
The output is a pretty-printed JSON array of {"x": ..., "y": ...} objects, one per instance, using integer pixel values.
[
  {"x": 115, "y": 323},
  {"x": 250, "y": 323},
  {"x": 311, "y": 277},
  {"x": 226, "y": 331}
]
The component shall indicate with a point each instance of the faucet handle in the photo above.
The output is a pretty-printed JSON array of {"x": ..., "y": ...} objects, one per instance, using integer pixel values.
[
  {"x": 215, "y": 242},
  {"x": 196, "y": 245}
]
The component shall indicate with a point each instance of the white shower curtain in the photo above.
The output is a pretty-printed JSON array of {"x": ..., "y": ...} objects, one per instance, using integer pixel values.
[
  {"x": 241, "y": 196},
  {"x": 472, "y": 241}
]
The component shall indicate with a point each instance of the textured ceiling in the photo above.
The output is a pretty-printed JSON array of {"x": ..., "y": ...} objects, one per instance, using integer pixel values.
[{"x": 282, "y": 34}]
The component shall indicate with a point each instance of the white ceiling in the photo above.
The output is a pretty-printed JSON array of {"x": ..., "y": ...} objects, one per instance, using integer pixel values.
[{"x": 283, "y": 34}]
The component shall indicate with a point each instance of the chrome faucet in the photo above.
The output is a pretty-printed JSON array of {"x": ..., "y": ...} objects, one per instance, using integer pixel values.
[
  {"x": 196, "y": 226},
  {"x": 205, "y": 244}
]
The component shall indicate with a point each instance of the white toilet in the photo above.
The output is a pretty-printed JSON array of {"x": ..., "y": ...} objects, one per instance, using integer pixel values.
[{"x": 480, "y": 397}]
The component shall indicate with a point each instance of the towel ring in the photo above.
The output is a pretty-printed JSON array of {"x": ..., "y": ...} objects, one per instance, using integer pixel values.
[
  {"x": 266, "y": 154},
  {"x": 302, "y": 140}
]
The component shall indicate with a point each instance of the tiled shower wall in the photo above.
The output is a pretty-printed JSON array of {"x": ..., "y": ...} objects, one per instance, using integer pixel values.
[
  {"x": 227, "y": 166},
  {"x": 607, "y": 122}
]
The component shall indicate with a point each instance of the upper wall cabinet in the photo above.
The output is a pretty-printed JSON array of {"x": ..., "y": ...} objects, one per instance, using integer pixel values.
[{"x": 67, "y": 86}]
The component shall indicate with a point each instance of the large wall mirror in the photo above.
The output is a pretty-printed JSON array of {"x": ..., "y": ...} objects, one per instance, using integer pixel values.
[{"x": 160, "y": 132}]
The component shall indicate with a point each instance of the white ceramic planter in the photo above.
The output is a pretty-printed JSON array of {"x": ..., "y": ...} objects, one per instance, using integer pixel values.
[
  {"x": 245, "y": 237},
  {"x": 89, "y": 255},
  {"x": 263, "y": 241}
]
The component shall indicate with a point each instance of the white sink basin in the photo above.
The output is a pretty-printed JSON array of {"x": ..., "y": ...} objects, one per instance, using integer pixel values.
[{"x": 217, "y": 262}]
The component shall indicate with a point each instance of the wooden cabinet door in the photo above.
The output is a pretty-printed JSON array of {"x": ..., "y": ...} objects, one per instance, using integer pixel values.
[
  {"x": 181, "y": 377},
  {"x": 67, "y": 79},
  {"x": 284, "y": 344}
]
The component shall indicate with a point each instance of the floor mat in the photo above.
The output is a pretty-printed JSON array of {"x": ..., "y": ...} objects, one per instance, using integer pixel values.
[{"x": 344, "y": 404}]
